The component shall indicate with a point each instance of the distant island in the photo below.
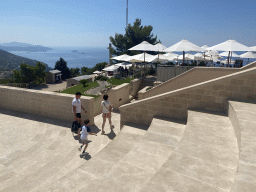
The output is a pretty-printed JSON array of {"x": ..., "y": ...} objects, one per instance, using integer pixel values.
[
  {"x": 16, "y": 46},
  {"x": 14, "y": 61},
  {"x": 74, "y": 51}
]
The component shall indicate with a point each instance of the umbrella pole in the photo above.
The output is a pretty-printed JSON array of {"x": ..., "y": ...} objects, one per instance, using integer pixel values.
[
  {"x": 183, "y": 57},
  {"x": 228, "y": 58}
]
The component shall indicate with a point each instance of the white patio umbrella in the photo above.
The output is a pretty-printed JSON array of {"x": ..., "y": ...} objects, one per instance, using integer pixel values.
[
  {"x": 199, "y": 56},
  {"x": 171, "y": 56},
  {"x": 120, "y": 57},
  {"x": 158, "y": 57},
  {"x": 253, "y": 48},
  {"x": 97, "y": 72},
  {"x": 183, "y": 45},
  {"x": 230, "y": 45},
  {"x": 110, "y": 68},
  {"x": 144, "y": 46},
  {"x": 160, "y": 48},
  {"x": 139, "y": 57},
  {"x": 225, "y": 54},
  {"x": 248, "y": 55},
  {"x": 204, "y": 49}
]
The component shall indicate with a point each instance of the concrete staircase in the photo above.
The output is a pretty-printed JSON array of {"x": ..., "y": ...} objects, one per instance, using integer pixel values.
[
  {"x": 244, "y": 120},
  {"x": 205, "y": 160},
  {"x": 211, "y": 152}
]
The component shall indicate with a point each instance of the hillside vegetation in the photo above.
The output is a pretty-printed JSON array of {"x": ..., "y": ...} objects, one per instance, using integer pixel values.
[{"x": 15, "y": 61}]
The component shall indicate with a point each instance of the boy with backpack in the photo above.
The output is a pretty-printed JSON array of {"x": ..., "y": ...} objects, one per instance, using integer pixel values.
[{"x": 85, "y": 131}]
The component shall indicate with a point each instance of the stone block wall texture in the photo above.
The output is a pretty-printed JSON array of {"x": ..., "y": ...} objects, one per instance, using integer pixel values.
[
  {"x": 134, "y": 86},
  {"x": 142, "y": 92},
  {"x": 166, "y": 73},
  {"x": 210, "y": 95},
  {"x": 43, "y": 103},
  {"x": 118, "y": 96},
  {"x": 193, "y": 76}
]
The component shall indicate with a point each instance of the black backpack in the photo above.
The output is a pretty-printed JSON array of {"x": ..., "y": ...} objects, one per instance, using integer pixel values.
[{"x": 75, "y": 127}]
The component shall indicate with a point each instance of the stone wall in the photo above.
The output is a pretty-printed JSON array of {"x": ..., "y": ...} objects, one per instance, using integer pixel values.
[
  {"x": 134, "y": 86},
  {"x": 71, "y": 82},
  {"x": 210, "y": 95},
  {"x": 142, "y": 92},
  {"x": 193, "y": 76},
  {"x": 43, "y": 103},
  {"x": 164, "y": 73},
  {"x": 118, "y": 96}
]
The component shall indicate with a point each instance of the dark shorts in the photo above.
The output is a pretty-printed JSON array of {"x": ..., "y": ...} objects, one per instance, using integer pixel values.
[{"x": 78, "y": 115}]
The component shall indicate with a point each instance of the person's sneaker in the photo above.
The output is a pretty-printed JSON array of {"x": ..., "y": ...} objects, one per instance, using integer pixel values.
[
  {"x": 112, "y": 127},
  {"x": 84, "y": 153},
  {"x": 80, "y": 148}
]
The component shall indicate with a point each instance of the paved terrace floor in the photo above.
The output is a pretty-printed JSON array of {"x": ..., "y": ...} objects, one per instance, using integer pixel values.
[{"x": 28, "y": 143}]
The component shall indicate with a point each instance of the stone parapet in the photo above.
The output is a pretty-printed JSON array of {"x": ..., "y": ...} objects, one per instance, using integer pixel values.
[
  {"x": 210, "y": 95},
  {"x": 142, "y": 92},
  {"x": 193, "y": 76},
  {"x": 43, "y": 103},
  {"x": 134, "y": 86}
]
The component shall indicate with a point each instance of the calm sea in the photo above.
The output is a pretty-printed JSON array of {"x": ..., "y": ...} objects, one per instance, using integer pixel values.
[{"x": 74, "y": 56}]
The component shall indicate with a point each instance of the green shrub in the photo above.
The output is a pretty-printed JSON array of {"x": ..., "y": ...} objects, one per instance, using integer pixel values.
[
  {"x": 83, "y": 81},
  {"x": 170, "y": 63},
  {"x": 148, "y": 88},
  {"x": 103, "y": 78},
  {"x": 202, "y": 63}
]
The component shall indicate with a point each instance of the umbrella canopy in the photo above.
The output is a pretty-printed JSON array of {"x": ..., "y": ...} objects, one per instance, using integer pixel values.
[
  {"x": 225, "y": 54},
  {"x": 160, "y": 47},
  {"x": 110, "y": 68},
  {"x": 155, "y": 58},
  {"x": 253, "y": 48},
  {"x": 96, "y": 72},
  {"x": 204, "y": 47},
  {"x": 248, "y": 55},
  {"x": 230, "y": 45},
  {"x": 139, "y": 58},
  {"x": 188, "y": 56},
  {"x": 226, "y": 61},
  {"x": 212, "y": 53},
  {"x": 144, "y": 46},
  {"x": 120, "y": 57},
  {"x": 183, "y": 45},
  {"x": 171, "y": 56}
]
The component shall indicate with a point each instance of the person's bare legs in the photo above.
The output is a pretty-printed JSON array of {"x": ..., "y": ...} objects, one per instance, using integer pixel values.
[
  {"x": 110, "y": 123},
  {"x": 85, "y": 147},
  {"x": 103, "y": 124}
]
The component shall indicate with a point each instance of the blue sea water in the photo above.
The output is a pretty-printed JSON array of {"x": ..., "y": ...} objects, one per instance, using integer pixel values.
[{"x": 74, "y": 56}]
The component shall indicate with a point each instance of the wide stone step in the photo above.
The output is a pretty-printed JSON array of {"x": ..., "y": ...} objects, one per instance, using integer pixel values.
[
  {"x": 97, "y": 168},
  {"x": 198, "y": 163}
]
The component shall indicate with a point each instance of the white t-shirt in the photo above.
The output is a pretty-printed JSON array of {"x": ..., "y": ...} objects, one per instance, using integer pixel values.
[
  {"x": 107, "y": 104},
  {"x": 85, "y": 132},
  {"x": 77, "y": 103}
]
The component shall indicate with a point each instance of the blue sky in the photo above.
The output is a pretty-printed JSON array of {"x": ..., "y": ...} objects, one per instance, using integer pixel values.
[{"x": 90, "y": 23}]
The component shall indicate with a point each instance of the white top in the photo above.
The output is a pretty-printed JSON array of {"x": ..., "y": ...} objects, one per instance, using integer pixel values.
[
  {"x": 107, "y": 104},
  {"x": 84, "y": 133},
  {"x": 77, "y": 103}
]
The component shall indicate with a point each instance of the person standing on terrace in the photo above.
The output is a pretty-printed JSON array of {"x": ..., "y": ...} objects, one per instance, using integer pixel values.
[
  {"x": 106, "y": 113},
  {"x": 77, "y": 106}
]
